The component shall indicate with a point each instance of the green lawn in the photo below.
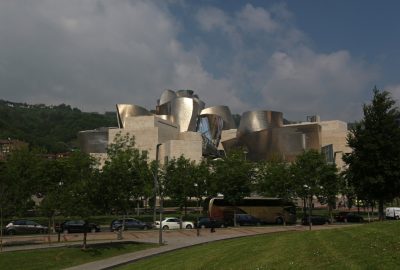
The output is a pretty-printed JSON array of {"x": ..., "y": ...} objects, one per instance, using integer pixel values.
[
  {"x": 59, "y": 258},
  {"x": 369, "y": 246}
]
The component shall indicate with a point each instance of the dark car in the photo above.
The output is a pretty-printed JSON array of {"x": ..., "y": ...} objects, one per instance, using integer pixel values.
[
  {"x": 206, "y": 222},
  {"x": 246, "y": 219},
  {"x": 315, "y": 220},
  {"x": 130, "y": 224},
  {"x": 24, "y": 227},
  {"x": 348, "y": 217},
  {"x": 77, "y": 226}
]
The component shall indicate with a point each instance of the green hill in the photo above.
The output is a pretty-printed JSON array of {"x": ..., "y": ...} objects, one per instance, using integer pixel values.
[{"x": 53, "y": 128}]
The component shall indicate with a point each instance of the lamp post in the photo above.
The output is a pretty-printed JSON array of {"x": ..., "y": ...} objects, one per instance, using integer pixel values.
[
  {"x": 155, "y": 195},
  {"x": 307, "y": 189},
  {"x": 196, "y": 187}
]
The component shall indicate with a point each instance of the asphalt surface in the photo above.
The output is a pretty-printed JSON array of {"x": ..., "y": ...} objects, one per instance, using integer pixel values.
[{"x": 172, "y": 239}]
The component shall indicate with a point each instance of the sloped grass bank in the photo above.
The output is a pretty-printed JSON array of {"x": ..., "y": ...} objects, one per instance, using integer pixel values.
[
  {"x": 59, "y": 258},
  {"x": 369, "y": 246}
]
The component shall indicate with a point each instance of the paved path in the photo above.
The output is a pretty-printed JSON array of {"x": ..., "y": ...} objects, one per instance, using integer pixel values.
[{"x": 180, "y": 239}]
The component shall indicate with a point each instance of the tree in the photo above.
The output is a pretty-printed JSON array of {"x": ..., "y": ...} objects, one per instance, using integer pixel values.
[
  {"x": 202, "y": 181},
  {"x": 314, "y": 177},
  {"x": 233, "y": 177},
  {"x": 274, "y": 180},
  {"x": 374, "y": 164},
  {"x": 125, "y": 174},
  {"x": 75, "y": 186},
  {"x": 330, "y": 184},
  {"x": 19, "y": 179},
  {"x": 179, "y": 180}
]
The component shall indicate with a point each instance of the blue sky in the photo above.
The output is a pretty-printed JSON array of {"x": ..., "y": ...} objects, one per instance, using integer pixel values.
[{"x": 298, "y": 57}]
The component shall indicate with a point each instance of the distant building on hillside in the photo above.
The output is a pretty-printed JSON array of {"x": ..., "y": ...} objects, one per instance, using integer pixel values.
[{"x": 7, "y": 146}]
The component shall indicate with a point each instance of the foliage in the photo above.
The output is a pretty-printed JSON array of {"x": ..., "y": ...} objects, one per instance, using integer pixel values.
[
  {"x": 314, "y": 177},
  {"x": 274, "y": 180},
  {"x": 19, "y": 177},
  {"x": 374, "y": 164},
  {"x": 125, "y": 175},
  {"x": 179, "y": 181},
  {"x": 232, "y": 176},
  {"x": 54, "y": 128}
]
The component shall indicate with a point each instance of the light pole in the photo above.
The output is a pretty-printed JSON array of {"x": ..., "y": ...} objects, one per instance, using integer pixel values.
[
  {"x": 155, "y": 177},
  {"x": 155, "y": 195},
  {"x": 196, "y": 187},
  {"x": 308, "y": 188}
]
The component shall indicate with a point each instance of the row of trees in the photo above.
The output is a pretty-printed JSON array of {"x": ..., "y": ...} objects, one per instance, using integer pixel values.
[{"x": 75, "y": 186}]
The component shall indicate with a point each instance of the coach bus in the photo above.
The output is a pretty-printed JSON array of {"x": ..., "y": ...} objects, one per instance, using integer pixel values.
[{"x": 267, "y": 210}]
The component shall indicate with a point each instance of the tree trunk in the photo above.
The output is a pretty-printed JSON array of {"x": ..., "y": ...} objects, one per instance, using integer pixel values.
[
  {"x": 49, "y": 231},
  {"x": 381, "y": 214},
  {"x": 310, "y": 213},
  {"x": 84, "y": 240},
  {"x": 1, "y": 229},
  {"x": 304, "y": 206},
  {"x": 234, "y": 217},
  {"x": 185, "y": 208}
]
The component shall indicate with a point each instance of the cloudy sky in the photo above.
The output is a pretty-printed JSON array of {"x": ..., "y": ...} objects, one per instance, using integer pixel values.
[{"x": 299, "y": 57}]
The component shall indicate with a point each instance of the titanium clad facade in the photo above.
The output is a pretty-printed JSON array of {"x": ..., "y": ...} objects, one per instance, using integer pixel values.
[
  {"x": 93, "y": 141},
  {"x": 185, "y": 111},
  {"x": 167, "y": 96},
  {"x": 224, "y": 113},
  {"x": 129, "y": 110},
  {"x": 261, "y": 134},
  {"x": 253, "y": 121}
]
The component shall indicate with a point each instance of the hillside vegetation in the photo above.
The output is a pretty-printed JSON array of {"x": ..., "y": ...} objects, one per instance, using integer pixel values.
[{"x": 53, "y": 128}]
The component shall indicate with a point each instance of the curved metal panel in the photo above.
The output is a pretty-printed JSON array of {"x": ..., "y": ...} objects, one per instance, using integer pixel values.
[
  {"x": 129, "y": 110},
  {"x": 185, "y": 112},
  {"x": 166, "y": 117},
  {"x": 164, "y": 109},
  {"x": 184, "y": 93},
  {"x": 200, "y": 102},
  {"x": 224, "y": 112},
  {"x": 93, "y": 141},
  {"x": 252, "y": 121},
  {"x": 211, "y": 127},
  {"x": 167, "y": 96}
]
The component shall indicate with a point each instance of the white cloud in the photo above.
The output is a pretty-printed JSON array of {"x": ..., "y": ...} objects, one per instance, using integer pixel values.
[
  {"x": 273, "y": 66},
  {"x": 255, "y": 19}
]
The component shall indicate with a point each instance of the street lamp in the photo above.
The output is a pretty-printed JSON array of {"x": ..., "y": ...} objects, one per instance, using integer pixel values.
[
  {"x": 155, "y": 195},
  {"x": 308, "y": 188},
  {"x": 196, "y": 187}
]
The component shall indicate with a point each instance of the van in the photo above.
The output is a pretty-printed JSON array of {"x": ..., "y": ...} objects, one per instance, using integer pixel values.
[{"x": 393, "y": 212}]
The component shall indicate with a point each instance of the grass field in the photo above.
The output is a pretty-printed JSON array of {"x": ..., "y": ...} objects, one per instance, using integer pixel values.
[
  {"x": 369, "y": 246},
  {"x": 59, "y": 258}
]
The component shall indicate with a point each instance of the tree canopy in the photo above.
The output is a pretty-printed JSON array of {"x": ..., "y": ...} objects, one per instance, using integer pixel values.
[
  {"x": 53, "y": 128},
  {"x": 374, "y": 164}
]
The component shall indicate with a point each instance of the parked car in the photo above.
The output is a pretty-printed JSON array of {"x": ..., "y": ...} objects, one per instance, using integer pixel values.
[
  {"x": 348, "y": 217},
  {"x": 77, "y": 226},
  {"x": 393, "y": 213},
  {"x": 130, "y": 224},
  {"x": 315, "y": 220},
  {"x": 206, "y": 222},
  {"x": 174, "y": 223},
  {"x": 246, "y": 219},
  {"x": 24, "y": 226}
]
